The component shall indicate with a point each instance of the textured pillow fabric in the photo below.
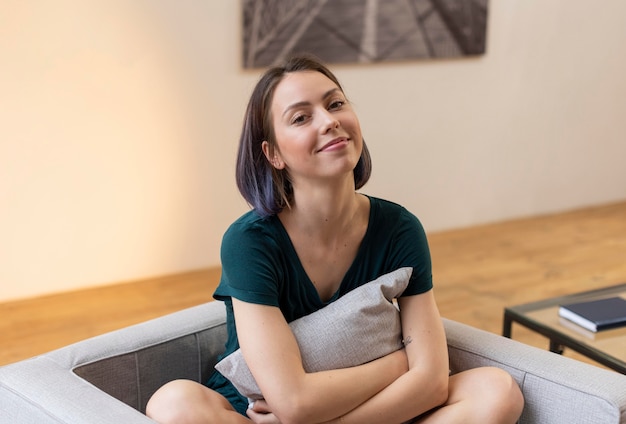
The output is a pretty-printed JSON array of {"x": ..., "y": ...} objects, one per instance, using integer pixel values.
[{"x": 359, "y": 327}]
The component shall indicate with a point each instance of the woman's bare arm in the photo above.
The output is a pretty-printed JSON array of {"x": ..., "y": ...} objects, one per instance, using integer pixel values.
[
  {"x": 271, "y": 351},
  {"x": 425, "y": 385}
]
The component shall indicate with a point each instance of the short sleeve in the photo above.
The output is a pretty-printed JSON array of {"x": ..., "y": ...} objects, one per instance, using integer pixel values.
[
  {"x": 410, "y": 248},
  {"x": 249, "y": 256}
]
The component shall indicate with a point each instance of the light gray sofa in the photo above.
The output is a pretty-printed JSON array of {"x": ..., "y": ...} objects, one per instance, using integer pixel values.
[{"x": 109, "y": 378}]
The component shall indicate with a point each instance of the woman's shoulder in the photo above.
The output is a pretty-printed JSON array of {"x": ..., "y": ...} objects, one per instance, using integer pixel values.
[
  {"x": 389, "y": 211},
  {"x": 383, "y": 203},
  {"x": 251, "y": 227},
  {"x": 252, "y": 221}
]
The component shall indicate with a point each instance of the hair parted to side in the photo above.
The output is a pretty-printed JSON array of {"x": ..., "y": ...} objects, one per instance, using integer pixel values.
[{"x": 267, "y": 189}]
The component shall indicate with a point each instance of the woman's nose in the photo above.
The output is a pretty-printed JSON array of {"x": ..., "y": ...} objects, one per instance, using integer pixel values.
[{"x": 329, "y": 122}]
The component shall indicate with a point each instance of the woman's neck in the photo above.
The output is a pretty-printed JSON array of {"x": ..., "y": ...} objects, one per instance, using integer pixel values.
[{"x": 324, "y": 212}]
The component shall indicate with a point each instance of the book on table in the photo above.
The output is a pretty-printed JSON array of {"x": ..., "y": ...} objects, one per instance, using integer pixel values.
[{"x": 596, "y": 315}]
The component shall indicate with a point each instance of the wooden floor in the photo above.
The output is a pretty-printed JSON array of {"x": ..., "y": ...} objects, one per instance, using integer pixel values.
[{"x": 478, "y": 271}]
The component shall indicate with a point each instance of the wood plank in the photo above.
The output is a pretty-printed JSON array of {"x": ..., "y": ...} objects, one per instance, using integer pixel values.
[
  {"x": 34, "y": 326},
  {"x": 478, "y": 271}
]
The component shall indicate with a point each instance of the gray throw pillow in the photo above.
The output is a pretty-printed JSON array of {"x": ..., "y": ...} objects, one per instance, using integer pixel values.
[{"x": 359, "y": 327}]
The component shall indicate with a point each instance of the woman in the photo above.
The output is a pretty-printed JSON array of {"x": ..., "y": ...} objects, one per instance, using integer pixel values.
[{"x": 309, "y": 239}]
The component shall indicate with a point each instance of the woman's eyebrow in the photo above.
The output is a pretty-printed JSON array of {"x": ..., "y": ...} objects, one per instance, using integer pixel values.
[{"x": 296, "y": 105}]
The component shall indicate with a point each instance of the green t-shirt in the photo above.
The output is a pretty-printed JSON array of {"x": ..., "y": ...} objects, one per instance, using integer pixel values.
[{"x": 260, "y": 265}]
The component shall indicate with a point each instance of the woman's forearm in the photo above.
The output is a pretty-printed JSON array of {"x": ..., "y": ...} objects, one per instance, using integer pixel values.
[
  {"x": 409, "y": 396},
  {"x": 341, "y": 391}
]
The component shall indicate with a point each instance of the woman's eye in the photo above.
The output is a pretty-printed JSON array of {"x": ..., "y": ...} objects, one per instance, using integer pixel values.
[
  {"x": 298, "y": 119},
  {"x": 337, "y": 104}
]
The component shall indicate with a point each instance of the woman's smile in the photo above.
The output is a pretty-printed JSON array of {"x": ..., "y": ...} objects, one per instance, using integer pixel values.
[{"x": 335, "y": 144}]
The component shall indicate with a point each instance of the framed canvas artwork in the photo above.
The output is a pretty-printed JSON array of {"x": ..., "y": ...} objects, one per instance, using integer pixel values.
[{"x": 362, "y": 31}]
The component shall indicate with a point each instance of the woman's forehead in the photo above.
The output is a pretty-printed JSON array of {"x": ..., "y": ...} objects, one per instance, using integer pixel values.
[{"x": 302, "y": 86}]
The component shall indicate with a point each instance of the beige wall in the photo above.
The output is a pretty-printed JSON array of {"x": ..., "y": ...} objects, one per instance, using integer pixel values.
[{"x": 119, "y": 121}]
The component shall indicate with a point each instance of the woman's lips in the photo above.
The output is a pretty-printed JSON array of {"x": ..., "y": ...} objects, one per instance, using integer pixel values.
[{"x": 337, "y": 143}]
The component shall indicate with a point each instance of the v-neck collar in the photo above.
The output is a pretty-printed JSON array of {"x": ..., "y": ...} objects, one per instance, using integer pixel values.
[{"x": 293, "y": 256}]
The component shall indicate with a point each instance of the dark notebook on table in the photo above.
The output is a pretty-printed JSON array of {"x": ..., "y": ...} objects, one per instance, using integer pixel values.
[{"x": 596, "y": 315}]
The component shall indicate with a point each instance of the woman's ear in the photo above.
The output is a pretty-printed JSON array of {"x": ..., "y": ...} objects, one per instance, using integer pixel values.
[{"x": 272, "y": 156}]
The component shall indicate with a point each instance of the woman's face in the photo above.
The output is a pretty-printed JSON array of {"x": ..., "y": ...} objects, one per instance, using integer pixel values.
[{"x": 317, "y": 133}]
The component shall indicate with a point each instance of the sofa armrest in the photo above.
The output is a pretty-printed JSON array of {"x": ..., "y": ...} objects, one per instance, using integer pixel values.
[
  {"x": 556, "y": 389},
  {"x": 109, "y": 378},
  {"x": 39, "y": 391}
]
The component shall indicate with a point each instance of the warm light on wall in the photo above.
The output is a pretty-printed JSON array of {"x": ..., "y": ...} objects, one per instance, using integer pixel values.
[
  {"x": 119, "y": 123},
  {"x": 102, "y": 150}
]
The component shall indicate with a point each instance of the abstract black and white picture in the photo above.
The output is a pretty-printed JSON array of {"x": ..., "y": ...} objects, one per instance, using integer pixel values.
[{"x": 362, "y": 31}]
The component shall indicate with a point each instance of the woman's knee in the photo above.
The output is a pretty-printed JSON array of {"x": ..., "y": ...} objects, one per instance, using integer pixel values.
[
  {"x": 183, "y": 401},
  {"x": 165, "y": 403},
  {"x": 502, "y": 394},
  {"x": 492, "y": 394}
]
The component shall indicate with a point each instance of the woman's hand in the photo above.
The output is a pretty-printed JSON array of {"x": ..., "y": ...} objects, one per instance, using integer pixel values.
[
  {"x": 259, "y": 412},
  {"x": 395, "y": 363}
]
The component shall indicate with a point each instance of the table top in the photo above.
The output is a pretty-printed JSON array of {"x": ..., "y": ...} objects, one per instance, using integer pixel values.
[{"x": 544, "y": 317}]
